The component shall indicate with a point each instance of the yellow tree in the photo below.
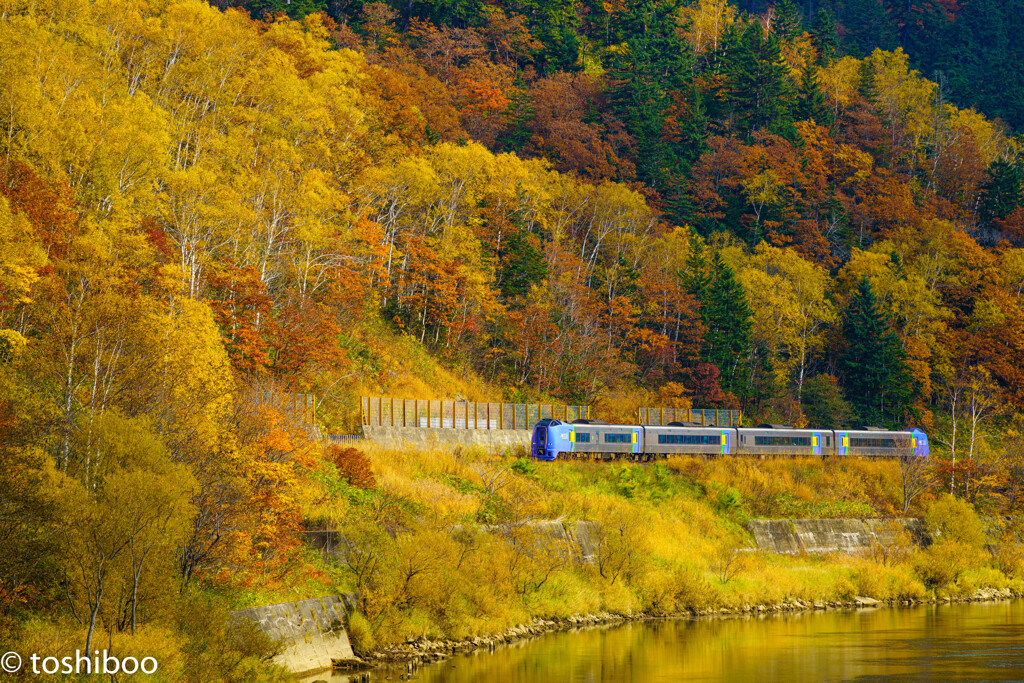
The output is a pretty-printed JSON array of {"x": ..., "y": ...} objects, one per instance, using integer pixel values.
[
  {"x": 790, "y": 300},
  {"x": 127, "y": 523}
]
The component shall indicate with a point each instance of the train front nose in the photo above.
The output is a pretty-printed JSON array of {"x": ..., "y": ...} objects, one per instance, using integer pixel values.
[{"x": 540, "y": 441}]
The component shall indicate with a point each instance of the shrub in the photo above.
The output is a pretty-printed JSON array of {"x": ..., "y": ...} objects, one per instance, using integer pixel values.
[
  {"x": 352, "y": 465},
  {"x": 360, "y": 634},
  {"x": 952, "y": 520},
  {"x": 1010, "y": 558},
  {"x": 218, "y": 649},
  {"x": 524, "y": 466},
  {"x": 943, "y": 563}
]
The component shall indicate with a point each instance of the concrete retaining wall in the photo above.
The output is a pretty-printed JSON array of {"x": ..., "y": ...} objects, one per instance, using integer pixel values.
[
  {"x": 312, "y": 631},
  {"x": 578, "y": 539},
  {"x": 420, "y": 437},
  {"x": 829, "y": 535}
]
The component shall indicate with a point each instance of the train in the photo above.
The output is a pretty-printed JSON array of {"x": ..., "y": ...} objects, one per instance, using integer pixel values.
[{"x": 594, "y": 439}]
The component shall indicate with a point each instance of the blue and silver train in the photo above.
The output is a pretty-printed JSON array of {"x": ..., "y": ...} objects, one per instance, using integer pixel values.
[{"x": 593, "y": 439}]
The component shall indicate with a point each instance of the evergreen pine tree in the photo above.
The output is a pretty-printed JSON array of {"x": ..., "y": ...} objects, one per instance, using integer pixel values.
[
  {"x": 687, "y": 147},
  {"x": 787, "y": 20},
  {"x": 876, "y": 379},
  {"x": 727, "y": 316},
  {"x": 867, "y": 27},
  {"x": 1002, "y": 191},
  {"x": 555, "y": 23},
  {"x": 984, "y": 57},
  {"x": 696, "y": 277},
  {"x": 655, "y": 69},
  {"x": 518, "y": 114},
  {"x": 520, "y": 265},
  {"x": 823, "y": 36},
  {"x": 693, "y": 129},
  {"x": 867, "y": 82},
  {"x": 758, "y": 90},
  {"x": 812, "y": 103}
]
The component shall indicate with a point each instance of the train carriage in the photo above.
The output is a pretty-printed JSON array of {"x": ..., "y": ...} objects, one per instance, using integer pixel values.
[
  {"x": 784, "y": 440},
  {"x": 606, "y": 440},
  {"x": 878, "y": 443},
  {"x": 689, "y": 439}
]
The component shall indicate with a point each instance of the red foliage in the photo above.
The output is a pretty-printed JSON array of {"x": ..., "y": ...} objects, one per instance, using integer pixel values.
[
  {"x": 242, "y": 308},
  {"x": 49, "y": 207},
  {"x": 706, "y": 389},
  {"x": 352, "y": 465}
]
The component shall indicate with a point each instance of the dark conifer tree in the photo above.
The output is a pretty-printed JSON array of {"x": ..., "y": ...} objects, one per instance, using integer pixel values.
[
  {"x": 867, "y": 82},
  {"x": 980, "y": 54},
  {"x": 727, "y": 316},
  {"x": 866, "y": 27},
  {"x": 518, "y": 115},
  {"x": 758, "y": 92},
  {"x": 696, "y": 277},
  {"x": 653, "y": 75},
  {"x": 876, "y": 379},
  {"x": 687, "y": 143},
  {"x": 1002, "y": 191},
  {"x": 520, "y": 265},
  {"x": 823, "y": 36},
  {"x": 692, "y": 127},
  {"x": 787, "y": 20},
  {"x": 812, "y": 103},
  {"x": 561, "y": 41}
]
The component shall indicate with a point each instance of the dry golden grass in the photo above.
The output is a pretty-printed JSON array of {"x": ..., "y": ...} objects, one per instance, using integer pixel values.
[{"x": 469, "y": 559}]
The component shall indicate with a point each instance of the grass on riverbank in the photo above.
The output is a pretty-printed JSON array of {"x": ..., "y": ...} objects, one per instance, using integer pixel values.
[{"x": 447, "y": 545}]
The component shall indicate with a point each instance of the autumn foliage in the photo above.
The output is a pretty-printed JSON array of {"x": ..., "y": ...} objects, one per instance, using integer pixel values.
[
  {"x": 353, "y": 466},
  {"x": 218, "y": 226}
]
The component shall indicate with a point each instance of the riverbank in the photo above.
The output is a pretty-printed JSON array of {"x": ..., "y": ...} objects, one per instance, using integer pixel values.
[
  {"x": 968, "y": 641},
  {"x": 422, "y": 650}
]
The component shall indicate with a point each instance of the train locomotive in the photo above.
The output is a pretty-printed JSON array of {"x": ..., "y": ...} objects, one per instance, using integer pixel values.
[{"x": 593, "y": 439}]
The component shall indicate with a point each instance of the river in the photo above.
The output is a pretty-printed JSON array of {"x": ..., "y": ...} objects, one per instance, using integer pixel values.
[{"x": 963, "y": 642}]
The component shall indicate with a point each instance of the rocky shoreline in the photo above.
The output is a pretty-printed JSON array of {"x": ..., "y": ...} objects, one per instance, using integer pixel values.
[{"x": 422, "y": 650}]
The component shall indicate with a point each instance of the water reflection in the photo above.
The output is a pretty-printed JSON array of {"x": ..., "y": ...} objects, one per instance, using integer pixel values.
[{"x": 976, "y": 642}]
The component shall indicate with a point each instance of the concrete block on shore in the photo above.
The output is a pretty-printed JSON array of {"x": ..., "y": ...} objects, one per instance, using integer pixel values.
[{"x": 313, "y": 631}]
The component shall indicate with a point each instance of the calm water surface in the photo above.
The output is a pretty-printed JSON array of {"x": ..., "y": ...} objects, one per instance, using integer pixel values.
[{"x": 973, "y": 642}]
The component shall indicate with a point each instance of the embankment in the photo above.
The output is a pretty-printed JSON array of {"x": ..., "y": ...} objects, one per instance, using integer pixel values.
[
  {"x": 313, "y": 632},
  {"x": 791, "y": 536}
]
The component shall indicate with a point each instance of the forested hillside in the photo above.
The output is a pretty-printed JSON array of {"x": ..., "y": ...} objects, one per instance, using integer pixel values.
[
  {"x": 204, "y": 210},
  {"x": 567, "y": 203}
]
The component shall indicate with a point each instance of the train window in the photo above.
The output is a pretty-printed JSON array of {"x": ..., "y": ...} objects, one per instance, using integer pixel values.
[
  {"x": 618, "y": 438},
  {"x": 828, "y": 440},
  {"x": 691, "y": 439},
  {"x": 873, "y": 443},
  {"x": 782, "y": 441},
  {"x": 582, "y": 437}
]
